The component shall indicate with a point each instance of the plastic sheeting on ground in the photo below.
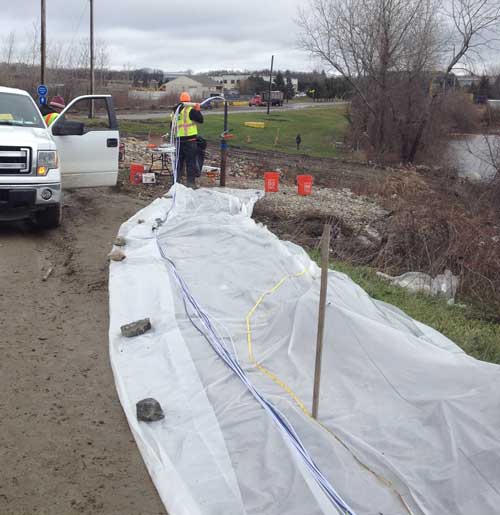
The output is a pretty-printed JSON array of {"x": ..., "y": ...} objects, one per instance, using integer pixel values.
[{"x": 408, "y": 422}]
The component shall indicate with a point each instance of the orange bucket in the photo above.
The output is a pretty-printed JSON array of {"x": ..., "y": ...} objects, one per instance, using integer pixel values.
[
  {"x": 305, "y": 184},
  {"x": 136, "y": 171},
  {"x": 271, "y": 182}
]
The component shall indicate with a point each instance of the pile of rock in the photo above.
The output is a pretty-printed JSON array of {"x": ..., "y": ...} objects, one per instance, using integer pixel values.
[
  {"x": 136, "y": 151},
  {"x": 354, "y": 211}
]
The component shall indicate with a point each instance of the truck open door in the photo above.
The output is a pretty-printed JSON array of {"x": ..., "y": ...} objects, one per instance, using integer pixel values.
[{"x": 87, "y": 146}]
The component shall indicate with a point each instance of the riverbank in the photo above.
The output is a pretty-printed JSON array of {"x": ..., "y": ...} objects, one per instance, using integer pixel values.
[
  {"x": 478, "y": 337},
  {"x": 394, "y": 220}
]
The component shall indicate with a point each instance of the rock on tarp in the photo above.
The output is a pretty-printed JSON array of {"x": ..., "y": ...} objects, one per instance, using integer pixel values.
[{"x": 409, "y": 421}]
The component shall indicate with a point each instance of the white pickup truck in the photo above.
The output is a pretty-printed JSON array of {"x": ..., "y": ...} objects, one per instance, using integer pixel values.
[{"x": 37, "y": 161}]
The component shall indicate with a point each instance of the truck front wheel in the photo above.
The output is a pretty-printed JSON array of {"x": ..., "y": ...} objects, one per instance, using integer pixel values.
[{"x": 49, "y": 218}]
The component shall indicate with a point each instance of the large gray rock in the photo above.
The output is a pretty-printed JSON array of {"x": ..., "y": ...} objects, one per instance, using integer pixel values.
[
  {"x": 149, "y": 410},
  {"x": 136, "y": 328}
]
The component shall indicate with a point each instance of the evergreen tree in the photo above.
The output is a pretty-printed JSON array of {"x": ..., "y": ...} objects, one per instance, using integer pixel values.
[
  {"x": 279, "y": 82},
  {"x": 289, "y": 89},
  {"x": 484, "y": 87}
]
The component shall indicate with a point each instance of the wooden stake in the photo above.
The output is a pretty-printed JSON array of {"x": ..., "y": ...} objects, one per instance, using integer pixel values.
[
  {"x": 223, "y": 150},
  {"x": 325, "y": 255}
]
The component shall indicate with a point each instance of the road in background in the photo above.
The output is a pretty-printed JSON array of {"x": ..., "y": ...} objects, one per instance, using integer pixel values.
[{"x": 145, "y": 115}]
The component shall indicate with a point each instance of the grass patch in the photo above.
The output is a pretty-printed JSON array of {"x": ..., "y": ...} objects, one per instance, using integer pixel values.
[
  {"x": 477, "y": 337},
  {"x": 319, "y": 129}
]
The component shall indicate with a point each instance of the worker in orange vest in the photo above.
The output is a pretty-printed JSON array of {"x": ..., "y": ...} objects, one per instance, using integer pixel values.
[
  {"x": 56, "y": 105},
  {"x": 187, "y": 134}
]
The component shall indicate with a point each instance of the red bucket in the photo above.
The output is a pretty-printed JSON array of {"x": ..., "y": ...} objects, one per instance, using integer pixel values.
[
  {"x": 271, "y": 182},
  {"x": 305, "y": 184},
  {"x": 136, "y": 171}
]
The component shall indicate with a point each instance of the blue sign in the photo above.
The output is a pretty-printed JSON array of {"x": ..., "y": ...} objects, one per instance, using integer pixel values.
[
  {"x": 42, "y": 100},
  {"x": 42, "y": 90}
]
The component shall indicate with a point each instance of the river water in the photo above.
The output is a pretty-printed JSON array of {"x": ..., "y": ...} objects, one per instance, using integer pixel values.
[{"x": 473, "y": 155}]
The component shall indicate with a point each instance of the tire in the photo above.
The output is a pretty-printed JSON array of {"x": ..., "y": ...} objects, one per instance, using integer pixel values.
[{"x": 50, "y": 218}]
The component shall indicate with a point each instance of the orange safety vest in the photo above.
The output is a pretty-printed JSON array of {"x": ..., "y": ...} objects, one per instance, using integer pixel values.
[{"x": 50, "y": 118}]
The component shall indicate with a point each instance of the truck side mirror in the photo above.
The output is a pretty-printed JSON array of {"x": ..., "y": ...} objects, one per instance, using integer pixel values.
[{"x": 68, "y": 128}]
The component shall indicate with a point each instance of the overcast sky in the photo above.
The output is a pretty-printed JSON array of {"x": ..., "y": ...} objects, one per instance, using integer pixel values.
[{"x": 172, "y": 34}]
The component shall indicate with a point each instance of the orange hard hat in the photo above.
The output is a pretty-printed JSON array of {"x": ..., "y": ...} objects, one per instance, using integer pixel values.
[{"x": 185, "y": 97}]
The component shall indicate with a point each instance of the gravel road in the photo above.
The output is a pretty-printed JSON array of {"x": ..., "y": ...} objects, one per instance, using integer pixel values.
[{"x": 65, "y": 446}]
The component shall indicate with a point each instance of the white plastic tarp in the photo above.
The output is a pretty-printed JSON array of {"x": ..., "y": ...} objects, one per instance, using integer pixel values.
[{"x": 408, "y": 422}]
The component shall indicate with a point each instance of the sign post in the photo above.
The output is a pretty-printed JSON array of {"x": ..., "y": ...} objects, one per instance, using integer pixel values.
[{"x": 42, "y": 94}]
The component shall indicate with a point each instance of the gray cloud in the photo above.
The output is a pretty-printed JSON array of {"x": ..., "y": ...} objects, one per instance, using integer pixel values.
[{"x": 173, "y": 34}]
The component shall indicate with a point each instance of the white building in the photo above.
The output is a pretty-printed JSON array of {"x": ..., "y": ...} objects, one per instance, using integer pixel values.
[
  {"x": 231, "y": 81},
  {"x": 198, "y": 86}
]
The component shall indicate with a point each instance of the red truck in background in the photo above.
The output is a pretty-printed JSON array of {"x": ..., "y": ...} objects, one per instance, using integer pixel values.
[{"x": 261, "y": 100}]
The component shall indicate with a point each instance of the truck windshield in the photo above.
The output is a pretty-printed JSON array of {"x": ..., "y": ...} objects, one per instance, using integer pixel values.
[{"x": 18, "y": 110}]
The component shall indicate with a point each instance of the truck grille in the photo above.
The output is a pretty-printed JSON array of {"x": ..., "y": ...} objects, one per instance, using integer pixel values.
[{"x": 15, "y": 160}]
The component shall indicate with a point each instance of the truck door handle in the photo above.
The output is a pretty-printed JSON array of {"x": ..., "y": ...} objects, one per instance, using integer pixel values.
[{"x": 112, "y": 143}]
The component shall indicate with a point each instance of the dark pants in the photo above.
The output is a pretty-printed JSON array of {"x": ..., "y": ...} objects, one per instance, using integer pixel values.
[{"x": 188, "y": 155}]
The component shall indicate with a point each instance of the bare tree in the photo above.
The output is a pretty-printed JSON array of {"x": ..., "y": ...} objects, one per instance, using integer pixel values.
[
  {"x": 55, "y": 56},
  {"x": 388, "y": 51},
  {"x": 101, "y": 59},
  {"x": 31, "y": 53},
  {"x": 9, "y": 48},
  {"x": 473, "y": 25}
]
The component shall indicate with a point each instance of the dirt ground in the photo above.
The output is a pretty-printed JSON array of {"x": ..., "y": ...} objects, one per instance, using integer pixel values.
[{"x": 65, "y": 446}]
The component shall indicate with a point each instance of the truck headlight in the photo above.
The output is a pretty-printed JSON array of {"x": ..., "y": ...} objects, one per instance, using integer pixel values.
[{"x": 47, "y": 160}]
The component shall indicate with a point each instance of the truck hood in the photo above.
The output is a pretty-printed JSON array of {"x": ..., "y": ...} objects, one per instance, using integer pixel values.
[{"x": 37, "y": 139}]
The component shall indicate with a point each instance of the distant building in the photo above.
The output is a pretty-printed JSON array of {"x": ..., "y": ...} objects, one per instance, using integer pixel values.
[
  {"x": 466, "y": 81},
  {"x": 198, "y": 86},
  {"x": 233, "y": 81}
]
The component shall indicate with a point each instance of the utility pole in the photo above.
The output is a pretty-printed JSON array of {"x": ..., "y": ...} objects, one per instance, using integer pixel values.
[
  {"x": 270, "y": 86},
  {"x": 43, "y": 45},
  {"x": 91, "y": 111},
  {"x": 325, "y": 256}
]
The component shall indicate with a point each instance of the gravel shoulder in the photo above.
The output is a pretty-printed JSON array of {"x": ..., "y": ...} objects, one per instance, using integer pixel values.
[{"x": 65, "y": 446}]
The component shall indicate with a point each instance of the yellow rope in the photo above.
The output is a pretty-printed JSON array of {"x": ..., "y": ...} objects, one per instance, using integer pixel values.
[
  {"x": 251, "y": 357},
  {"x": 292, "y": 394}
]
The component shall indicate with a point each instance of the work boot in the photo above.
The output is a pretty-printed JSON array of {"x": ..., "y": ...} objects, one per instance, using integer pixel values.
[{"x": 192, "y": 185}]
